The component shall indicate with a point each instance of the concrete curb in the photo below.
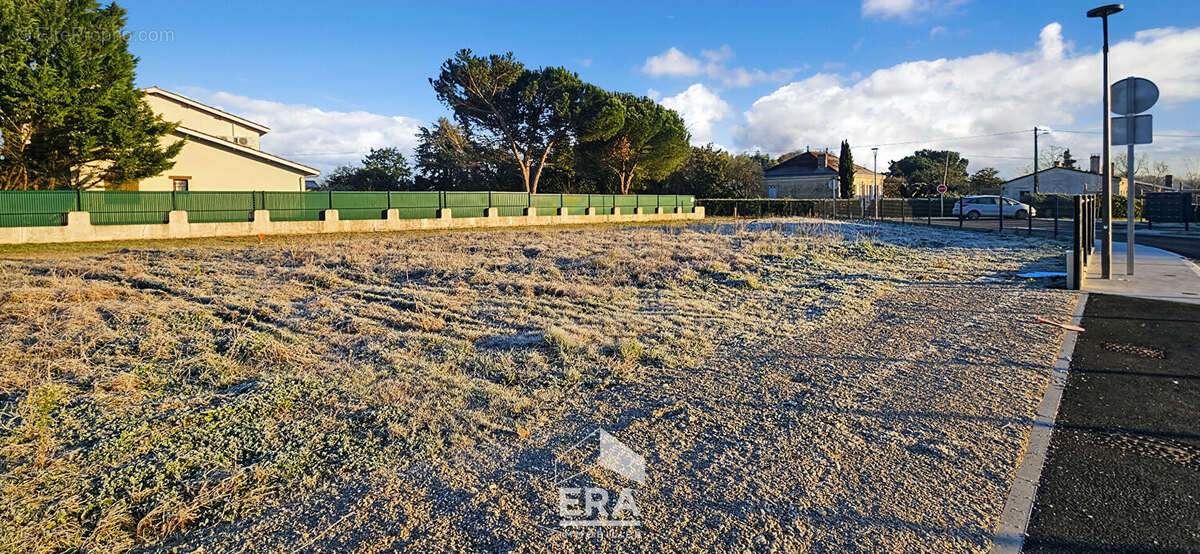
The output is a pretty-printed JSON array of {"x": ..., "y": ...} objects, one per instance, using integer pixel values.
[{"x": 1010, "y": 533}]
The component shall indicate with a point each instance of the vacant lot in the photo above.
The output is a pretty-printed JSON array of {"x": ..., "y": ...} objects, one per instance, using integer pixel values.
[{"x": 793, "y": 386}]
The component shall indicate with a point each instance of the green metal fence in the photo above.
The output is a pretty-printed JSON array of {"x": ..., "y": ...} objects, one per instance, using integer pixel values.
[
  {"x": 36, "y": 209},
  {"x": 49, "y": 208},
  {"x": 416, "y": 205}
]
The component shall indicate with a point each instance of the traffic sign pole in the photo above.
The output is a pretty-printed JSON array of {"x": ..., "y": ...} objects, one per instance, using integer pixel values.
[{"x": 1131, "y": 96}]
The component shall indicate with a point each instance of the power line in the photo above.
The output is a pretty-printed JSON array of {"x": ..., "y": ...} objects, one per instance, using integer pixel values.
[
  {"x": 942, "y": 139},
  {"x": 1167, "y": 135}
]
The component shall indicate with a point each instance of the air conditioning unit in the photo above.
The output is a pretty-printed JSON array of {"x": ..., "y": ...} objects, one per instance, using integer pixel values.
[{"x": 242, "y": 140}]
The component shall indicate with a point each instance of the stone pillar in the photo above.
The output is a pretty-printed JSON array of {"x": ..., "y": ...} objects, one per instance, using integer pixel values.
[
  {"x": 699, "y": 211},
  {"x": 659, "y": 210},
  {"x": 79, "y": 227},
  {"x": 392, "y": 215},
  {"x": 638, "y": 210},
  {"x": 591, "y": 211},
  {"x": 563, "y": 211},
  {"x": 678, "y": 209},
  {"x": 492, "y": 212},
  {"x": 177, "y": 224},
  {"x": 616, "y": 210},
  {"x": 444, "y": 213},
  {"x": 329, "y": 215}
]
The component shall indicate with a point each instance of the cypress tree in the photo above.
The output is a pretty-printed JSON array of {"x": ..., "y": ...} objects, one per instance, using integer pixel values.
[
  {"x": 70, "y": 116},
  {"x": 846, "y": 170}
]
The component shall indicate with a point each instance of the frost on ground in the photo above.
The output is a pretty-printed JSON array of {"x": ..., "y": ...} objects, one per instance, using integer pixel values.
[{"x": 792, "y": 385}]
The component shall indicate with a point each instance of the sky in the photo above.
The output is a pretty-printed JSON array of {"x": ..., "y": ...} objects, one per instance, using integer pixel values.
[{"x": 333, "y": 80}]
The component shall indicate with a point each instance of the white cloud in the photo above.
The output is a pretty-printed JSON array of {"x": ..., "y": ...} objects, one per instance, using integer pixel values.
[
  {"x": 672, "y": 63},
  {"x": 980, "y": 94},
  {"x": 701, "y": 109},
  {"x": 675, "y": 63},
  {"x": 1050, "y": 42},
  {"x": 939, "y": 30},
  {"x": 315, "y": 137}
]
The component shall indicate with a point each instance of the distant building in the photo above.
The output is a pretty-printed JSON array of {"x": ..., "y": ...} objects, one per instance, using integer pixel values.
[
  {"x": 807, "y": 175},
  {"x": 221, "y": 152},
  {"x": 1066, "y": 180}
]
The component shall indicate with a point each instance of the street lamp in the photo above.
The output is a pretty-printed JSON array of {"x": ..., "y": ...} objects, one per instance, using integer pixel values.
[
  {"x": 875, "y": 178},
  {"x": 1106, "y": 172},
  {"x": 833, "y": 188}
]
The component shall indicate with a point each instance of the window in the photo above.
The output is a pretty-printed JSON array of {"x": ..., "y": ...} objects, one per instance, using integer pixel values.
[{"x": 179, "y": 184}]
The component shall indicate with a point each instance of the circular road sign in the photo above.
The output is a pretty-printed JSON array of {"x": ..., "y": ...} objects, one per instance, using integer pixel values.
[
  {"x": 833, "y": 184},
  {"x": 941, "y": 189},
  {"x": 1133, "y": 95}
]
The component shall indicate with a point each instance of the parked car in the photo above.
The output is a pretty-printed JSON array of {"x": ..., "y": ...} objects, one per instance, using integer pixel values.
[{"x": 974, "y": 207}]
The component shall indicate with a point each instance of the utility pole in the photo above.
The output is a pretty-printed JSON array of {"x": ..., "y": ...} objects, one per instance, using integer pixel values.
[
  {"x": 1035, "y": 160},
  {"x": 875, "y": 179}
]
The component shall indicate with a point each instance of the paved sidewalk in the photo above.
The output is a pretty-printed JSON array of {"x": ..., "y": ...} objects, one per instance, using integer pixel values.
[
  {"x": 1123, "y": 470},
  {"x": 1158, "y": 275}
]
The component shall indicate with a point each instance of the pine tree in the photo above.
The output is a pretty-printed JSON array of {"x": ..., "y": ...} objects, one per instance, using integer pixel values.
[{"x": 70, "y": 117}]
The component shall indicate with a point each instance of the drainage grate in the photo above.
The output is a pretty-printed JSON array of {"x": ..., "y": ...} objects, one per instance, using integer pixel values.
[{"x": 1143, "y": 351}]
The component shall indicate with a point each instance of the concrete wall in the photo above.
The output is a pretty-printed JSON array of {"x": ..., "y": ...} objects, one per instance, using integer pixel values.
[
  {"x": 80, "y": 229},
  {"x": 799, "y": 187},
  {"x": 202, "y": 121},
  {"x": 210, "y": 166},
  {"x": 815, "y": 187}
]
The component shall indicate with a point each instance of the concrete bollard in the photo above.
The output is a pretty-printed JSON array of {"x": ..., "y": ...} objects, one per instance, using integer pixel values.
[
  {"x": 637, "y": 210},
  {"x": 444, "y": 213},
  {"x": 699, "y": 211},
  {"x": 591, "y": 211},
  {"x": 492, "y": 212},
  {"x": 678, "y": 209},
  {"x": 564, "y": 211},
  {"x": 392, "y": 215},
  {"x": 616, "y": 210},
  {"x": 659, "y": 210},
  {"x": 329, "y": 215}
]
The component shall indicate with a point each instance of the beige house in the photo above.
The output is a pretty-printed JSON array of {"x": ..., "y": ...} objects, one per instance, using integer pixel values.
[
  {"x": 221, "y": 153},
  {"x": 807, "y": 175}
]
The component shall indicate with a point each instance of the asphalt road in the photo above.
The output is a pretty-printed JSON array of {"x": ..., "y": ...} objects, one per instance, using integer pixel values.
[{"x": 1123, "y": 470}]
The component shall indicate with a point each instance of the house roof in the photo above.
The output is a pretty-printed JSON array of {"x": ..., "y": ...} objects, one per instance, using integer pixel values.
[
  {"x": 808, "y": 159},
  {"x": 1041, "y": 171},
  {"x": 205, "y": 137},
  {"x": 206, "y": 108}
]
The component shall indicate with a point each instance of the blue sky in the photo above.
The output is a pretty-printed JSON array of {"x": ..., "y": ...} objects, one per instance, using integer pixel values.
[{"x": 335, "y": 79}]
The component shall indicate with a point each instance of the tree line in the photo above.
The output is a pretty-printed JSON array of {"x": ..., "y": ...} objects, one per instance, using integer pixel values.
[{"x": 544, "y": 130}]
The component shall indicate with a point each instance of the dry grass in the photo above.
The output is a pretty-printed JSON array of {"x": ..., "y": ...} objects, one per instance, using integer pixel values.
[{"x": 144, "y": 392}]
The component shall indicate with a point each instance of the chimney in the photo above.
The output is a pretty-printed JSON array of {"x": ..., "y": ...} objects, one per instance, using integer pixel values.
[
  {"x": 1095, "y": 164},
  {"x": 821, "y": 160},
  {"x": 1169, "y": 182}
]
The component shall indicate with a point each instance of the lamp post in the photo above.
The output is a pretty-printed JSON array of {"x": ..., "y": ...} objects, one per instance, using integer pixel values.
[
  {"x": 1106, "y": 172},
  {"x": 875, "y": 178}
]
